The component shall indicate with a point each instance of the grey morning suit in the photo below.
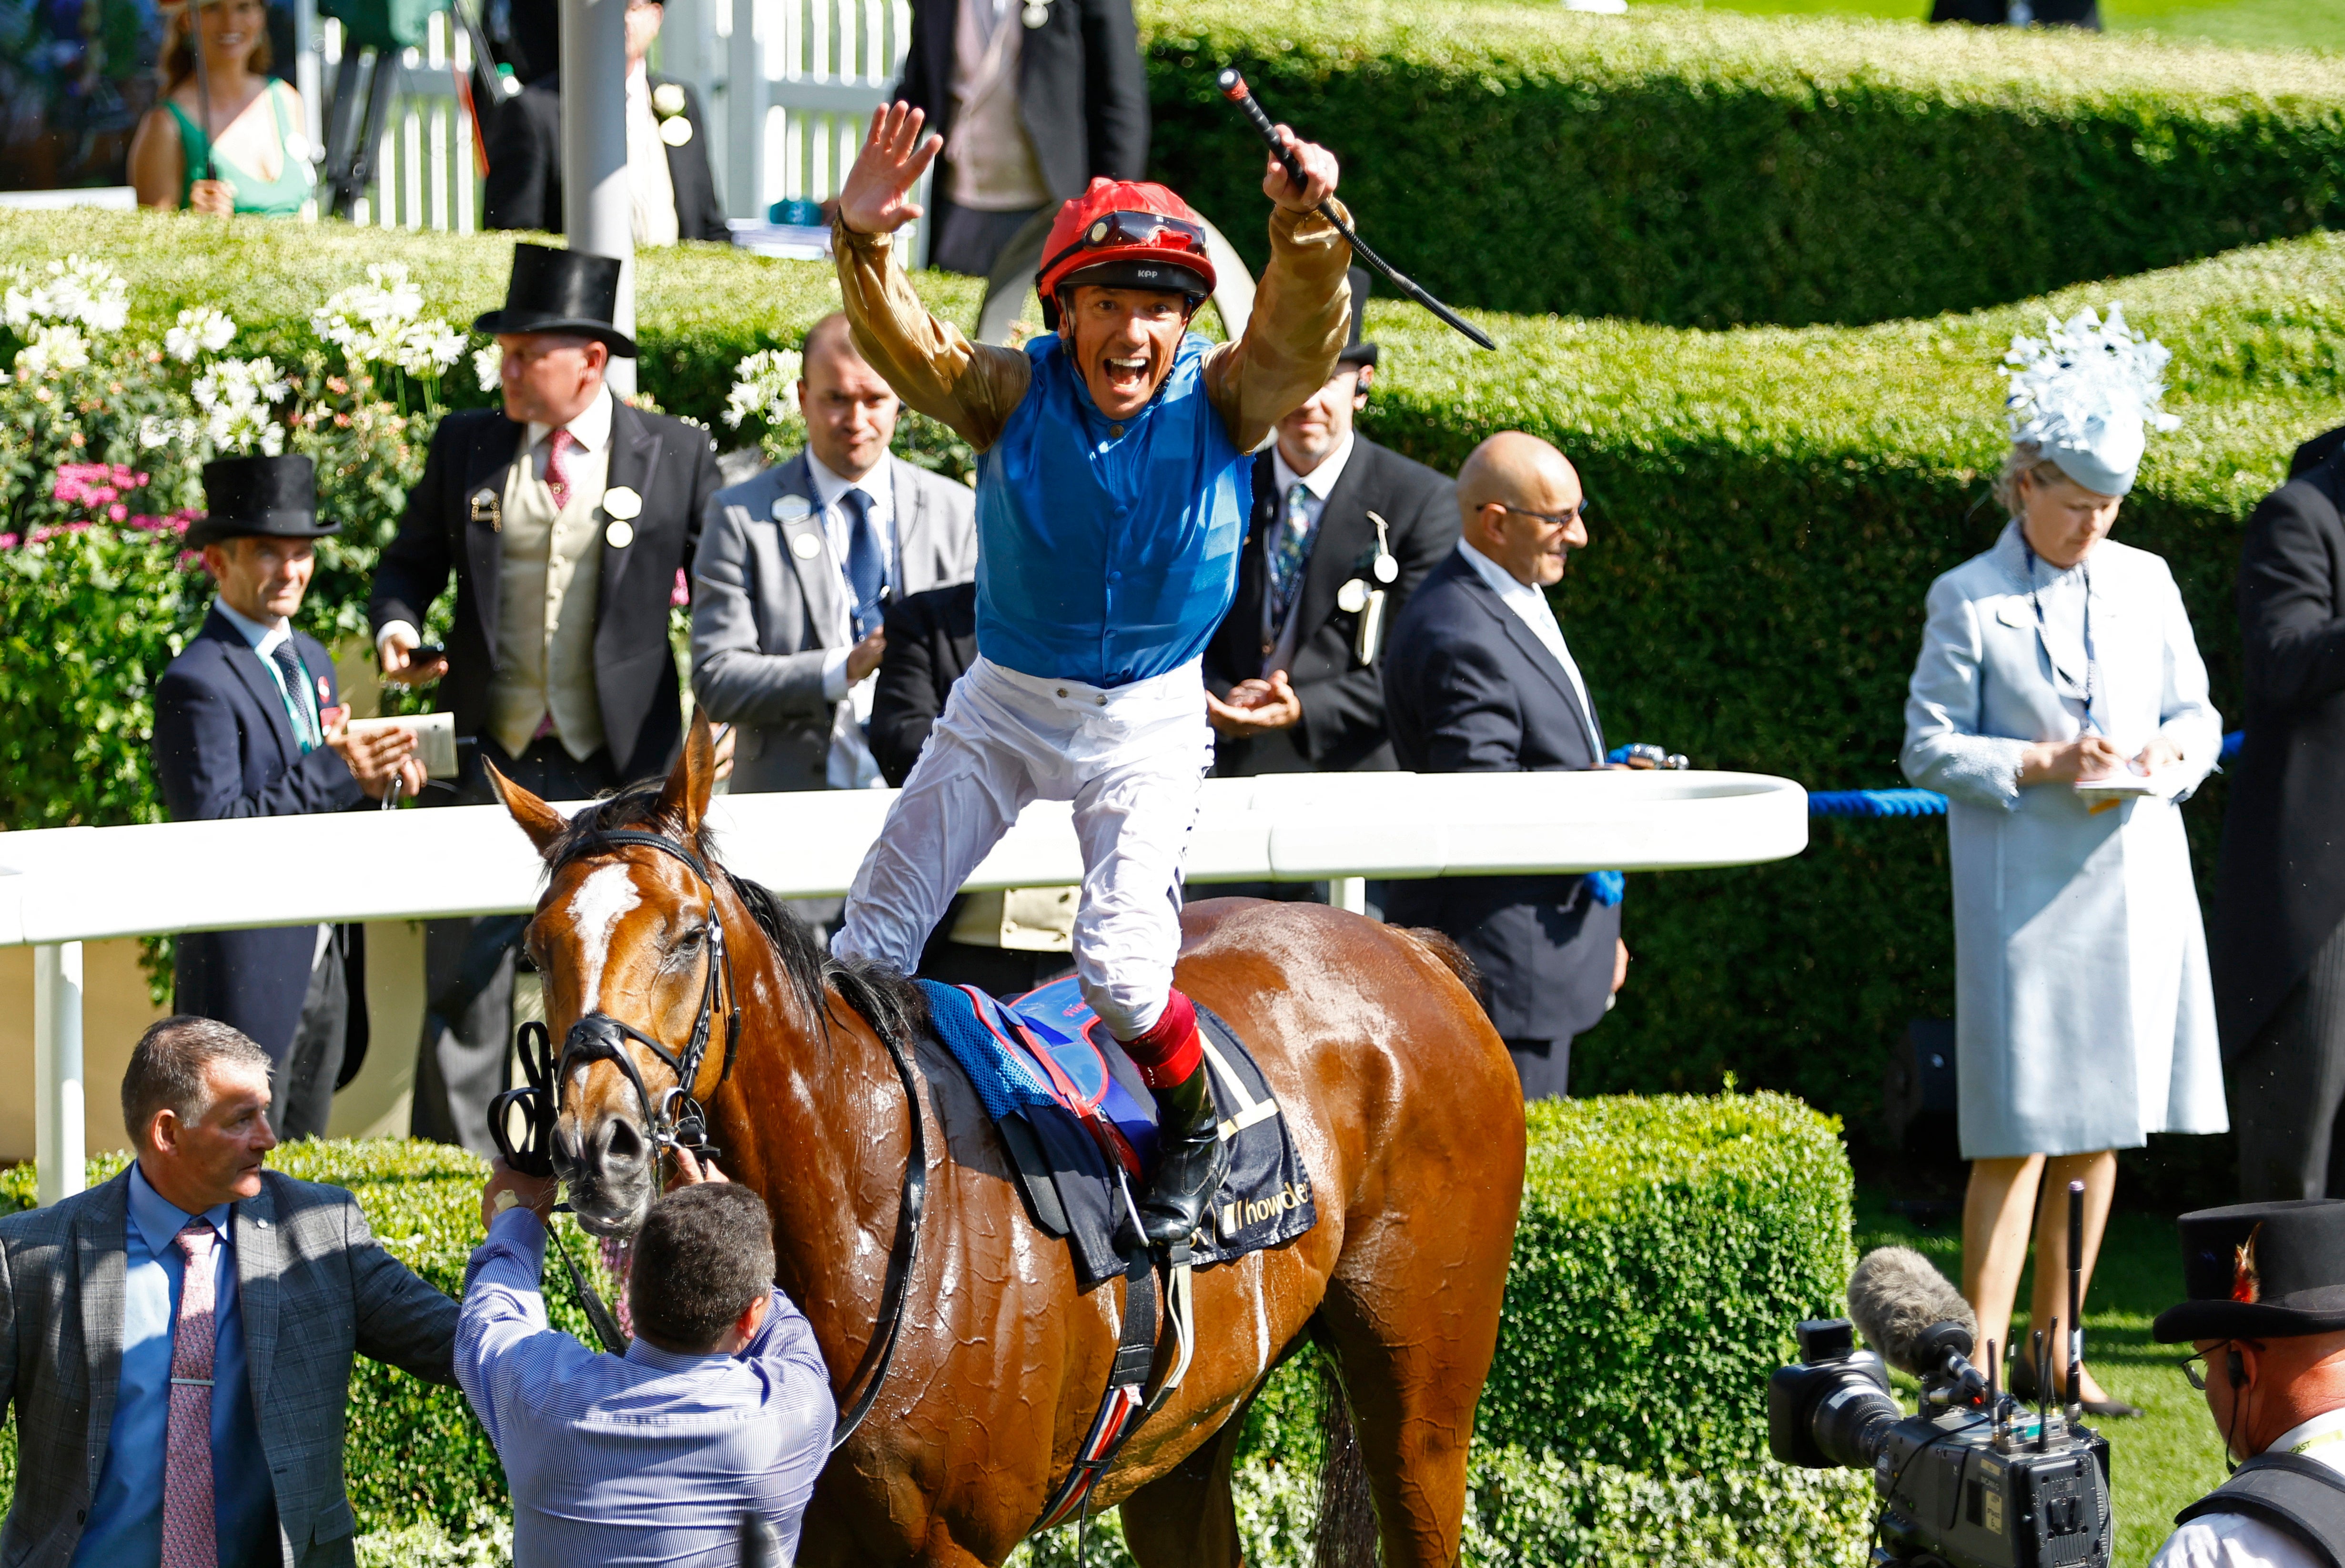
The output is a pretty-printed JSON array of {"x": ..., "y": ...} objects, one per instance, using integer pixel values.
[{"x": 315, "y": 1289}]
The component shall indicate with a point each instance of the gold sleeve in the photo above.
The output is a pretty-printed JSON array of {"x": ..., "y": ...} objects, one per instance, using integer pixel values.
[
  {"x": 1302, "y": 313},
  {"x": 973, "y": 387}
]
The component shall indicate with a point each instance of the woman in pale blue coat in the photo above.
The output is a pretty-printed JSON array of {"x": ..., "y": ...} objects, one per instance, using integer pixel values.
[{"x": 2084, "y": 1020}]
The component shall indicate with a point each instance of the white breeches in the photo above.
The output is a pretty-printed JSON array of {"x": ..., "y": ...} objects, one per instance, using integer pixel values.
[{"x": 1130, "y": 758}]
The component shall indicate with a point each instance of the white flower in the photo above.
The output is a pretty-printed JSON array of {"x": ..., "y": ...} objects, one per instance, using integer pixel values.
[
  {"x": 429, "y": 348},
  {"x": 765, "y": 385},
  {"x": 155, "y": 431},
  {"x": 52, "y": 351},
  {"x": 202, "y": 330},
  {"x": 75, "y": 290},
  {"x": 234, "y": 395},
  {"x": 489, "y": 365},
  {"x": 381, "y": 321},
  {"x": 667, "y": 100}
]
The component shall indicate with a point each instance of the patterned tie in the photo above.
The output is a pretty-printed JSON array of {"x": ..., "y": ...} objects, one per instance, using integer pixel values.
[
  {"x": 1293, "y": 553},
  {"x": 188, "y": 1534},
  {"x": 867, "y": 569},
  {"x": 558, "y": 472},
  {"x": 297, "y": 691}
]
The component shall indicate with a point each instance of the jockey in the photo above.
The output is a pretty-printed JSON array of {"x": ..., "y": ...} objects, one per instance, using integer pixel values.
[{"x": 1113, "y": 493}]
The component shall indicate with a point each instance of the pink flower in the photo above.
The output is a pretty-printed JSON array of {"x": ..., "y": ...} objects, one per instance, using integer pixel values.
[
  {"x": 7, "y": 541},
  {"x": 117, "y": 512},
  {"x": 680, "y": 595}
]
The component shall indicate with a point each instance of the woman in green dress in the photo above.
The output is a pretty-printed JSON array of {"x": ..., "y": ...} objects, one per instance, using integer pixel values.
[{"x": 252, "y": 156}]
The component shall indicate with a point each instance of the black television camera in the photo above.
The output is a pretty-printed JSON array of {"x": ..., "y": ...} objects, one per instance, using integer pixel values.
[{"x": 1974, "y": 1478}]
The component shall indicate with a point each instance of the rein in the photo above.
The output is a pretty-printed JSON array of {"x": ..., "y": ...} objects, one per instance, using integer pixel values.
[{"x": 676, "y": 1119}]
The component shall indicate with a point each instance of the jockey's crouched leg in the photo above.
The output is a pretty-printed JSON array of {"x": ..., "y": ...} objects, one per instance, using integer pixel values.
[{"x": 1192, "y": 1159}]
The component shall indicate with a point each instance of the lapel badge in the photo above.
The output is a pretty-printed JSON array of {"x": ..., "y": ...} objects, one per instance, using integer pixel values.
[
  {"x": 620, "y": 533},
  {"x": 622, "y": 503},
  {"x": 1352, "y": 597},
  {"x": 486, "y": 508},
  {"x": 1036, "y": 13},
  {"x": 805, "y": 546},
  {"x": 790, "y": 508},
  {"x": 2010, "y": 615},
  {"x": 675, "y": 130},
  {"x": 325, "y": 690}
]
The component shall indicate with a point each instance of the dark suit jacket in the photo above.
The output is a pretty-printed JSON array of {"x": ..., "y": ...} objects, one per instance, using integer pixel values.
[
  {"x": 931, "y": 643},
  {"x": 524, "y": 189},
  {"x": 1469, "y": 689},
  {"x": 224, "y": 748},
  {"x": 314, "y": 1289},
  {"x": 1343, "y": 723},
  {"x": 2280, "y": 887},
  {"x": 1082, "y": 93},
  {"x": 669, "y": 463}
]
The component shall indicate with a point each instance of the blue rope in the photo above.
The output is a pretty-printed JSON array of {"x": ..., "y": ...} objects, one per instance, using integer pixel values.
[{"x": 1876, "y": 803}]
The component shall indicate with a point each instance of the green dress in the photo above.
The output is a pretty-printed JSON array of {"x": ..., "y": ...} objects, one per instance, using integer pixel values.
[{"x": 279, "y": 198}]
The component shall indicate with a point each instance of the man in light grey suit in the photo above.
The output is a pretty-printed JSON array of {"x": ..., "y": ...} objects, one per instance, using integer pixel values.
[
  {"x": 793, "y": 573},
  {"x": 176, "y": 1343}
]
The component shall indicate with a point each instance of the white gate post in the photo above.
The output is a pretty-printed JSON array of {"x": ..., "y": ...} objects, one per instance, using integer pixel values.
[
  {"x": 745, "y": 114},
  {"x": 1349, "y": 893},
  {"x": 56, "y": 1071},
  {"x": 596, "y": 211}
]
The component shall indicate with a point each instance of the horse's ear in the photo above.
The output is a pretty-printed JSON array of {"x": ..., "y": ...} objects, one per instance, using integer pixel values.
[
  {"x": 541, "y": 821},
  {"x": 692, "y": 779}
]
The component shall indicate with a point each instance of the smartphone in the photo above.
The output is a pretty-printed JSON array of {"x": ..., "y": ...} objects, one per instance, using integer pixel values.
[{"x": 429, "y": 653}]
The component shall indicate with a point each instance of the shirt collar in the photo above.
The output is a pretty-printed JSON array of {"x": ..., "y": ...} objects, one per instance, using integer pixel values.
[
  {"x": 829, "y": 486},
  {"x": 591, "y": 429},
  {"x": 1503, "y": 582},
  {"x": 643, "y": 1353},
  {"x": 159, "y": 1219},
  {"x": 1320, "y": 481},
  {"x": 2323, "y": 1437},
  {"x": 263, "y": 638}
]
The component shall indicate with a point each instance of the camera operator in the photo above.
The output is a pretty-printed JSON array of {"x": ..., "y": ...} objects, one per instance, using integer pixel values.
[{"x": 2266, "y": 1321}]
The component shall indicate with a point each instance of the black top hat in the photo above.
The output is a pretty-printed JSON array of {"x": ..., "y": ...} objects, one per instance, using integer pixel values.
[
  {"x": 271, "y": 496},
  {"x": 2260, "y": 1271},
  {"x": 555, "y": 291},
  {"x": 1357, "y": 352}
]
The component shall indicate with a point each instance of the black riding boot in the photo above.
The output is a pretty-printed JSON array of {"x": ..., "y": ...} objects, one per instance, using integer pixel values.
[{"x": 1190, "y": 1160}]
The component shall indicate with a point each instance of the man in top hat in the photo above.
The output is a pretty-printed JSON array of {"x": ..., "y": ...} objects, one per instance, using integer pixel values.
[
  {"x": 248, "y": 723},
  {"x": 567, "y": 518},
  {"x": 2265, "y": 1322},
  {"x": 1111, "y": 492},
  {"x": 1342, "y": 532}
]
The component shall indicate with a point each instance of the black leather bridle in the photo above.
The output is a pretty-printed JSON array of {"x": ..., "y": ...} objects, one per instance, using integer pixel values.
[{"x": 675, "y": 1120}]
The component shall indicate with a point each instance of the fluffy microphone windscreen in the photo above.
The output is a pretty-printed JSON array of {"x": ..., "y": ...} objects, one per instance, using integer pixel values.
[{"x": 1894, "y": 1294}]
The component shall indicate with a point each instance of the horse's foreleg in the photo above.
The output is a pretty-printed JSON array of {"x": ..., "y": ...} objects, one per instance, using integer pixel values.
[{"x": 1185, "y": 1517}]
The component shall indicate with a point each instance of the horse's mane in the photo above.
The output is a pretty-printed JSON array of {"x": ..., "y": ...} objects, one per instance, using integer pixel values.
[{"x": 888, "y": 1002}]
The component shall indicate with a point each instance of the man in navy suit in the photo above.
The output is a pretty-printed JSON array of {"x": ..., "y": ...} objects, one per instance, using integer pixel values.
[
  {"x": 1478, "y": 679},
  {"x": 248, "y": 724}
]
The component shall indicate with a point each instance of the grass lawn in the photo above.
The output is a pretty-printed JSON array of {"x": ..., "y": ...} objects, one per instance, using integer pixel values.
[
  {"x": 2170, "y": 1455},
  {"x": 2251, "y": 23}
]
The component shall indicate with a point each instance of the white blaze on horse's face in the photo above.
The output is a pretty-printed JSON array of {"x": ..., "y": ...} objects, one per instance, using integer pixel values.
[{"x": 601, "y": 900}]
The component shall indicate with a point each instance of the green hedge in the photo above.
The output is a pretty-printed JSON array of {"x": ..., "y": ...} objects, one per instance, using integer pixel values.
[
  {"x": 1666, "y": 1249},
  {"x": 1706, "y": 169}
]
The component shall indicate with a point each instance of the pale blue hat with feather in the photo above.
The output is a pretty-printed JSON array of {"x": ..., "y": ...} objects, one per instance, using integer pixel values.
[{"x": 2085, "y": 395}]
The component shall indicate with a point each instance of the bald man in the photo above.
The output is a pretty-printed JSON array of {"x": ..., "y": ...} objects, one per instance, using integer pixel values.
[{"x": 1478, "y": 679}]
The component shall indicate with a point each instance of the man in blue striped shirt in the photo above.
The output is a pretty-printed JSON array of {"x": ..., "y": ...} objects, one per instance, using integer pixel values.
[{"x": 720, "y": 1406}]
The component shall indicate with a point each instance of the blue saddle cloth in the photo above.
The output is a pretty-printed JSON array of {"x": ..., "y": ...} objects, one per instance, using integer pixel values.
[{"x": 1080, "y": 1126}]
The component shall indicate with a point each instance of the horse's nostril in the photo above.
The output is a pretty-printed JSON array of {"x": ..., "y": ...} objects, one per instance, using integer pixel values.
[{"x": 622, "y": 1143}]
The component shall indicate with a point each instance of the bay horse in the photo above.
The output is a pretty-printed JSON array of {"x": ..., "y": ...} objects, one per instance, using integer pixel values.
[{"x": 1404, "y": 1105}]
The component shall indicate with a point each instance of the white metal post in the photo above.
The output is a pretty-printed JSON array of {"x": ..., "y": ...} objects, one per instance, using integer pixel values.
[
  {"x": 1349, "y": 894},
  {"x": 57, "y": 1070},
  {"x": 745, "y": 114},
  {"x": 595, "y": 211}
]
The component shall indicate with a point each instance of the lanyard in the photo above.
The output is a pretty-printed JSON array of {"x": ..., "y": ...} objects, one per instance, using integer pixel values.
[{"x": 2092, "y": 661}]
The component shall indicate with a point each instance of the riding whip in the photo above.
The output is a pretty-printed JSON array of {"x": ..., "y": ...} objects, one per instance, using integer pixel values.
[{"x": 1234, "y": 87}]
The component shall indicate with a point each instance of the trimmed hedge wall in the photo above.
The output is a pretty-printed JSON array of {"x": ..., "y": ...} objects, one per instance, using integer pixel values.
[
  {"x": 1667, "y": 1248},
  {"x": 1704, "y": 169}
]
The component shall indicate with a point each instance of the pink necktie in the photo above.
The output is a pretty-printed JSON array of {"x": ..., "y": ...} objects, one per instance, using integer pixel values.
[
  {"x": 188, "y": 1537},
  {"x": 557, "y": 472}
]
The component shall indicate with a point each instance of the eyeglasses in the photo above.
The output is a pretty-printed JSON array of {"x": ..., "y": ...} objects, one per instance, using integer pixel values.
[
  {"x": 1113, "y": 231},
  {"x": 1552, "y": 519},
  {"x": 2193, "y": 1367}
]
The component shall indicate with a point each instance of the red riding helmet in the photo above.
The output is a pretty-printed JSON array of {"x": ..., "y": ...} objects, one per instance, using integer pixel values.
[{"x": 1125, "y": 233}]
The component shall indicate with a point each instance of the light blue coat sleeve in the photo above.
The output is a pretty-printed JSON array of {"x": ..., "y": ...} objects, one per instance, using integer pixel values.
[{"x": 1944, "y": 749}]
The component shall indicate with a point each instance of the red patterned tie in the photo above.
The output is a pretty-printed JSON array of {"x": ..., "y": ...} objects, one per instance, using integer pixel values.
[
  {"x": 189, "y": 1536},
  {"x": 558, "y": 472}
]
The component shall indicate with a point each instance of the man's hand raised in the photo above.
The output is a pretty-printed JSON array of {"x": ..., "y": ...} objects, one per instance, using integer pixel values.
[
  {"x": 1319, "y": 172},
  {"x": 876, "y": 197}
]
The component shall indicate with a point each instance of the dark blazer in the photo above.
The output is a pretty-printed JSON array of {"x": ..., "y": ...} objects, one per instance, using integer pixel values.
[
  {"x": 1343, "y": 723},
  {"x": 1082, "y": 93},
  {"x": 2280, "y": 887},
  {"x": 224, "y": 748},
  {"x": 1469, "y": 689},
  {"x": 524, "y": 189},
  {"x": 931, "y": 643},
  {"x": 315, "y": 1289},
  {"x": 671, "y": 465}
]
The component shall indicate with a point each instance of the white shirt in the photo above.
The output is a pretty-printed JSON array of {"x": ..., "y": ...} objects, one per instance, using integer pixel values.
[
  {"x": 265, "y": 639},
  {"x": 1317, "y": 485},
  {"x": 651, "y": 192},
  {"x": 1531, "y": 606},
  {"x": 851, "y": 765},
  {"x": 2236, "y": 1541}
]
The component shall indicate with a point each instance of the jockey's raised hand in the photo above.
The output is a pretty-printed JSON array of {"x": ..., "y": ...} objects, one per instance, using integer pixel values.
[
  {"x": 876, "y": 197},
  {"x": 1319, "y": 174}
]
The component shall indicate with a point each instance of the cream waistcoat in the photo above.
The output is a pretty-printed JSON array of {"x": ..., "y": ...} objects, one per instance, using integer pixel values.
[{"x": 549, "y": 583}]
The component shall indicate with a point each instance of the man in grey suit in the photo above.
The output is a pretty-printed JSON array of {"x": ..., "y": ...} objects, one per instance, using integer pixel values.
[
  {"x": 793, "y": 573},
  {"x": 178, "y": 1342}
]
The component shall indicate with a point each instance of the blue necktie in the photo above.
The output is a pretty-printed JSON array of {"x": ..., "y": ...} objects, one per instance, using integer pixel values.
[
  {"x": 1290, "y": 552},
  {"x": 297, "y": 692},
  {"x": 866, "y": 567}
]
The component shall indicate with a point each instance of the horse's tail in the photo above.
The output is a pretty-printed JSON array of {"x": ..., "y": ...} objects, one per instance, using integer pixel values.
[
  {"x": 1452, "y": 956},
  {"x": 1346, "y": 1533}
]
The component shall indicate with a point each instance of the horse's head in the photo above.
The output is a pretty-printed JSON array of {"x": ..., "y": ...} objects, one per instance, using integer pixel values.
[{"x": 628, "y": 940}]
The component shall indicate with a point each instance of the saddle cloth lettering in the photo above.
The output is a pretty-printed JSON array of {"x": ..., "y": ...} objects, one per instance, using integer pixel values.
[{"x": 1080, "y": 1126}]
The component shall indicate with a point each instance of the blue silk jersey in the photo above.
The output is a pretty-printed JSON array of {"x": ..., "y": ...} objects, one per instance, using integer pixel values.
[{"x": 1108, "y": 558}]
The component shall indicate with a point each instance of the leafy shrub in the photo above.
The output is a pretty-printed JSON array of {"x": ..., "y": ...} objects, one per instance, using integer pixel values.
[{"x": 1704, "y": 169}]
